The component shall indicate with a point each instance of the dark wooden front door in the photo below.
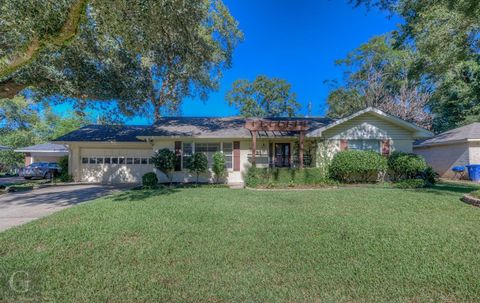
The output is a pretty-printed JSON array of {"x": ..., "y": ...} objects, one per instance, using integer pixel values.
[{"x": 282, "y": 154}]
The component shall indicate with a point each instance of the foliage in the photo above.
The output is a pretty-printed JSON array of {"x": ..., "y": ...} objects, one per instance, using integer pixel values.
[
  {"x": 445, "y": 35},
  {"x": 252, "y": 177},
  {"x": 149, "y": 180},
  {"x": 64, "y": 175},
  {"x": 198, "y": 164},
  {"x": 264, "y": 97},
  {"x": 147, "y": 55},
  {"x": 24, "y": 123},
  {"x": 284, "y": 176},
  {"x": 403, "y": 166},
  {"x": 165, "y": 161},
  {"x": 379, "y": 75},
  {"x": 355, "y": 166},
  {"x": 323, "y": 157},
  {"x": 430, "y": 176},
  {"x": 219, "y": 166},
  {"x": 410, "y": 183},
  {"x": 9, "y": 159}
]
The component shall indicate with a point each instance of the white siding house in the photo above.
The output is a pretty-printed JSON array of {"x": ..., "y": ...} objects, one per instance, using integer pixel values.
[{"x": 121, "y": 154}]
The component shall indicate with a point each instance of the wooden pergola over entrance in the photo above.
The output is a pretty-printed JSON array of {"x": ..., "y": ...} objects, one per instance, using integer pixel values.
[{"x": 298, "y": 126}]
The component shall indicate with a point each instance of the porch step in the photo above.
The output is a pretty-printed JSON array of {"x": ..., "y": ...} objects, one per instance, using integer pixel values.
[{"x": 239, "y": 185}]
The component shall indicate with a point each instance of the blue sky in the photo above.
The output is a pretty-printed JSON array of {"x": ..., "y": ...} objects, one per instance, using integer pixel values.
[{"x": 295, "y": 40}]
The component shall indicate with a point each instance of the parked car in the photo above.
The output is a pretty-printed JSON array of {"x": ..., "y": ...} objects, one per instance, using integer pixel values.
[{"x": 40, "y": 170}]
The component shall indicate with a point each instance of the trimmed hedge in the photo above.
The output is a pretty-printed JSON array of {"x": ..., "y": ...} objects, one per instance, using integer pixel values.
[
  {"x": 149, "y": 180},
  {"x": 355, "y": 166},
  {"x": 284, "y": 176},
  {"x": 402, "y": 166}
]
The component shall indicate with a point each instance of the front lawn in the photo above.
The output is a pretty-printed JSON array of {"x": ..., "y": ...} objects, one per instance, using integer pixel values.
[{"x": 219, "y": 245}]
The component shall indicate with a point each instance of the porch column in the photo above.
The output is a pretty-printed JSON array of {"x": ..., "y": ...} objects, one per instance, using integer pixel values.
[
  {"x": 254, "y": 148},
  {"x": 301, "y": 148}
]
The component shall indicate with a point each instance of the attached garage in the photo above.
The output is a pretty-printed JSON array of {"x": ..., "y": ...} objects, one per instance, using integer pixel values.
[
  {"x": 457, "y": 147},
  {"x": 114, "y": 165}
]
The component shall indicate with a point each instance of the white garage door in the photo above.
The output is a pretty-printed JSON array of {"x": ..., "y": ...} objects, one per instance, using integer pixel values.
[{"x": 115, "y": 166}]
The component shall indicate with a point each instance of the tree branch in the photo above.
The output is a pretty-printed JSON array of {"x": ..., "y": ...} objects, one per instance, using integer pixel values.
[{"x": 8, "y": 88}]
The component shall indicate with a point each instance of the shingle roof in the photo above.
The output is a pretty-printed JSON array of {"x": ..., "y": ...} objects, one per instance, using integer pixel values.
[
  {"x": 206, "y": 127},
  {"x": 45, "y": 147},
  {"x": 471, "y": 131},
  {"x": 4, "y": 147},
  {"x": 116, "y": 133}
]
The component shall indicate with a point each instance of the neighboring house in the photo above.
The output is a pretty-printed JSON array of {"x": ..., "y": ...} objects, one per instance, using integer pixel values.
[
  {"x": 47, "y": 152},
  {"x": 121, "y": 154},
  {"x": 2, "y": 148},
  {"x": 456, "y": 147}
]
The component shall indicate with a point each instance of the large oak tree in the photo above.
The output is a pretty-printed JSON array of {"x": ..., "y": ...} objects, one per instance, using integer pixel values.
[{"x": 144, "y": 56}]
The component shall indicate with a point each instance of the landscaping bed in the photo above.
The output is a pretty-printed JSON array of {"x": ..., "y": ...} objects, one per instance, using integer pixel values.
[{"x": 472, "y": 198}]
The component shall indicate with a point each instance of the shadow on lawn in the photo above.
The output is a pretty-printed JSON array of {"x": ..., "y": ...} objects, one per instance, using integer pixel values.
[
  {"x": 142, "y": 194},
  {"x": 446, "y": 188}
]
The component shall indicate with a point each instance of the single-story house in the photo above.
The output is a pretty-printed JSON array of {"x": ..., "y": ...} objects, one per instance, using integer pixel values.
[
  {"x": 456, "y": 147},
  {"x": 121, "y": 154},
  {"x": 46, "y": 152}
]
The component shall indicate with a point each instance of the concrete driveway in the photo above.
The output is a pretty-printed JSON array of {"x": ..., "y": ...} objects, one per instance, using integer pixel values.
[{"x": 22, "y": 207}]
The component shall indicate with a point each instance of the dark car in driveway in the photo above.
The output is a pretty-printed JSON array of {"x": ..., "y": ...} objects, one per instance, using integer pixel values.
[{"x": 43, "y": 170}]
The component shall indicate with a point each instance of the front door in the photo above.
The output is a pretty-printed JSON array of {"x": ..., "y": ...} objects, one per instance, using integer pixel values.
[{"x": 282, "y": 154}]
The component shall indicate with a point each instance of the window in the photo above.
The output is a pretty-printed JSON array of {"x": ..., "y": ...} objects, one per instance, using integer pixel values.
[
  {"x": 121, "y": 160},
  {"x": 84, "y": 160},
  {"x": 364, "y": 145},
  {"x": 114, "y": 160},
  {"x": 150, "y": 161},
  {"x": 108, "y": 160},
  {"x": 136, "y": 161},
  {"x": 93, "y": 161},
  {"x": 228, "y": 152},
  {"x": 129, "y": 161},
  {"x": 99, "y": 160},
  {"x": 208, "y": 149},
  {"x": 187, "y": 153},
  {"x": 144, "y": 161}
]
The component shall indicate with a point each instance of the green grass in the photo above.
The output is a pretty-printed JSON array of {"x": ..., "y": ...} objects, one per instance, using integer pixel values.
[{"x": 218, "y": 245}]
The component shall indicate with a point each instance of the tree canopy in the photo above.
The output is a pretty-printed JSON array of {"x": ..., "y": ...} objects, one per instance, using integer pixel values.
[
  {"x": 445, "y": 36},
  {"x": 264, "y": 97},
  {"x": 379, "y": 75},
  {"x": 143, "y": 56}
]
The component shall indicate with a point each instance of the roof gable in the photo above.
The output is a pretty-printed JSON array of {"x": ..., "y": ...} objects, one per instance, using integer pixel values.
[{"x": 417, "y": 131}]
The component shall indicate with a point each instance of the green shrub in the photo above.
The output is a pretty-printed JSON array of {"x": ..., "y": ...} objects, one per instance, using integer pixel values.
[
  {"x": 252, "y": 178},
  {"x": 402, "y": 166},
  {"x": 64, "y": 176},
  {"x": 430, "y": 176},
  {"x": 411, "y": 183},
  {"x": 149, "y": 180},
  {"x": 197, "y": 163},
  {"x": 165, "y": 161},
  {"x": 218, "y": 167},
  {"x": 355, "y": 166}
]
